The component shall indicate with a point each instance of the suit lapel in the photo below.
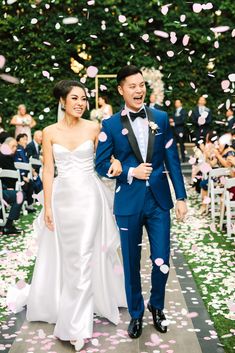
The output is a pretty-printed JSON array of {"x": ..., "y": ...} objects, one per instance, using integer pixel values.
[
  {"x": 151, "y": 137},
  {"x": 131, "y": 137}
]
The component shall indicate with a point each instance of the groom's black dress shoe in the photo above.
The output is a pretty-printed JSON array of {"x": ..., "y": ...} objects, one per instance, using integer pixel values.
[
  {"x": 158, "y": 318},
  {"x": 135, "y": 328}
]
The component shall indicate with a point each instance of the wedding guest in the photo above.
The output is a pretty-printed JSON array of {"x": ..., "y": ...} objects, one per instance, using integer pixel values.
[
  {"x": 230, "y": 120},
  {"x": 33, "y": 148},
  {"x": 23, "y": 122},
  {"x": 201, "y": 119},
  {"x": 224, "y": 150},
  {"x": 28, "y": 185},
  {"x": 105, "y": 109},
  {"x": 156, "y": 101},
  {"x": 178, "y": 125},
  {"x": 10, "y": 195}
]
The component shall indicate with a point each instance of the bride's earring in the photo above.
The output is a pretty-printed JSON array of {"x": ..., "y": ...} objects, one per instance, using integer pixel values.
[{"x": 63, "y": 106}]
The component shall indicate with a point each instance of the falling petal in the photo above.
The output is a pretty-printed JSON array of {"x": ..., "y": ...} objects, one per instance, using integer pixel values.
[
  {"x": 102, "y": 136},
  {"x": 164, "y": 9},
  {"x": 231, "y": 77},
  {"x": 197, "y": 7},
  {"x": 57, "y": 26},
  {"x": 125, "y": 131},
  {"x": 225, "y": 85},
  {"x": 70, "y": 20},
  {"x": 192, "y": 160},
  {"x": 192, "y": 315},
  {"x": 159, "y": 261},
  {"x": 118, "y": 189},
  {"x": 164, "y": 269},
  {"x": 19, "y": 197},
  {"x": 192, "y": 85},
  {"x": 201, "y": 120},
  {"x": 122, "y": 18},
  {"x": 20, "y": 284},
  {"x": 9, "y": 78},
  {"x": 207, "y": 6},
  {"x": 170, "y": 53},
  {"x": 216, "y": 44},
  {"x": 91, "y": 2},
  {"x": 92, "y": 71},
  {"x": 220, "y": 29},
  {"x": 124, "y": 112},
  {"x": 2, "y": 61},
  {"x": 103, "y": 87},
  {"x": 161, "y": 34},
  {"x": 206, "y": 200},
  {"x": 34, "y": 21},
  {"x": 169, "y": 143},
  {"x": 10, "y": 2},
  {"x": 46, "y": 74},
  {"x": 182, "y": 18},
  {"x": 145, "y": 37}
]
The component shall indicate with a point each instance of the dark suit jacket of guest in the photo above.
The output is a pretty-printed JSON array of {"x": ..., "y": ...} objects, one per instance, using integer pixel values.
[
  {"x": 20, "y": 156},
  {"x": 231, "y": 123},
  {"x": 3, "y": 135},
  {"x": 7, "y": 162},
  {"x": 180, "y": 121},
  {"x": 31, "y": 150}
]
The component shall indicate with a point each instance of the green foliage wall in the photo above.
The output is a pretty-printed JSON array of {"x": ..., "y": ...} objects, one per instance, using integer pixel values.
[{"x": 35, "y": 39}]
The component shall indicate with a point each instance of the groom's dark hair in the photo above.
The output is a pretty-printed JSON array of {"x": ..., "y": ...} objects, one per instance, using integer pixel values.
[{"x": 126, "y": 71}]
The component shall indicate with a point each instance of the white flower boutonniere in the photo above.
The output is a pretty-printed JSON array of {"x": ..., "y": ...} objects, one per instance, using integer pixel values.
[{"x": 154, "y": 127}]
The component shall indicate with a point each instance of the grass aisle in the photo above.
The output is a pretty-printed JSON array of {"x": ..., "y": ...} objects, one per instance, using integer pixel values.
[{"x": 210, "y": 256}]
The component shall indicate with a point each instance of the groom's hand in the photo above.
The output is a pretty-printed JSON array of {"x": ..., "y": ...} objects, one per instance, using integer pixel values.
[{"x": 143, "y": 171}]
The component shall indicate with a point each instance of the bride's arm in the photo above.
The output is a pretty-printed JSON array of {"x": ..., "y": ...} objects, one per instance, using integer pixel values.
[
  {"x": 47, "y": 177},
  {"x": 116, "y": 166}
]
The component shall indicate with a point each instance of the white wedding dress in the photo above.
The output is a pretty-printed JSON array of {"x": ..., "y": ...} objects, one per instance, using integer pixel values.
[{"x": 77, "y": 271}]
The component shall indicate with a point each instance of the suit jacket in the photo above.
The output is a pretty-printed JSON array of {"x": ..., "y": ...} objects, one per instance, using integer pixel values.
[
  {"x": 31, "y": 150},
  {"x": 179, "y": 121},
  {"x": 7, "y": 162},
  {"x": 20, "y": 156},
  {"x": 195, "y": 115},
  {"x": 231, "y": 123},
  {"x": 129, "y": 198}
]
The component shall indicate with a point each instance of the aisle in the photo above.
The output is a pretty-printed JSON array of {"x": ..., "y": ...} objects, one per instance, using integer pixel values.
[{"x": 181, "y": 337}]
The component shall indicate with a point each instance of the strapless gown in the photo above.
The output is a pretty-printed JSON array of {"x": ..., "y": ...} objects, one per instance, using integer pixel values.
[{"x": 78, "y": 271}]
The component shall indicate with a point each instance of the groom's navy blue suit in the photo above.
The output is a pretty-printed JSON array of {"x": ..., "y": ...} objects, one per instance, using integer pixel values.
[{"x": 139, "y": 204}]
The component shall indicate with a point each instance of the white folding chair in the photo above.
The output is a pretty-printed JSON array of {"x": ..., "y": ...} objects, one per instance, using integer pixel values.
[
  {"x": 228, "y": 207},
  {"x": 36, "y": 162},
  {"x": 215, "y": 191},
  {"x": 3, "y": 219},
  {"x": 24, "y": 166},
  {"x": 14, "y": 174}
]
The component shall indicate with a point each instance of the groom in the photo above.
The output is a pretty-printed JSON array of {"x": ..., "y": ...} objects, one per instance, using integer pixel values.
[{"x": 141, "y": 139}]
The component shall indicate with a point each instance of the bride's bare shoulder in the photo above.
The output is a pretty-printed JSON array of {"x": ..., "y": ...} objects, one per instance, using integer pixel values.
[
  {"x": 50, "y": 129},
  {"x": 93, "y": 125}
]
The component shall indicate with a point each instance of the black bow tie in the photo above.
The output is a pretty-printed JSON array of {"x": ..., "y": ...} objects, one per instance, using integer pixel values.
[{"x": 140, "y": 114}]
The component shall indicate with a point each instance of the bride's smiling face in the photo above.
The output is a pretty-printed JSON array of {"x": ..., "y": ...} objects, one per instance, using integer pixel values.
[{"x": 76, "y": 102}]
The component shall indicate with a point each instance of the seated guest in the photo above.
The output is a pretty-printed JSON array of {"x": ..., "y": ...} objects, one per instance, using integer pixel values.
[
  {"x": 33, "y": 148},
  {"x": 230, "y": 119},
  {"x": 20, "y": 156},
  {"x": 10, "y": 195},
  {"x": 225, "y": 149}
]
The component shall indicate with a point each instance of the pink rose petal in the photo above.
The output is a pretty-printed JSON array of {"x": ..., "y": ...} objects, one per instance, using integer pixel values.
[
  {"x": 2, "y": 61},
  {"x": 169, "y": 143},
  {"x": 225, "y": 84},
  {"x": 220, "y": 29},
  {"x": 122, "y": 18},
  {"x": 9, "y": 78},
  {"x": 159, "y": 261},
  {"x": 201, "y": 120},
  {"x": 197, "y": 7},
  {"x": 164, "y": 269},
  {"x": 92, "y": 71},
  {"x": 125, "y": 131},
  {"x": 21, "y": 284},
  {"x": 19, "y": 197},
  {"x": 161, "y": 34},
  {"x": 192, "y": 315},
  {"x": 123, "y": 112},
  {"x": 102, "y": 136}
]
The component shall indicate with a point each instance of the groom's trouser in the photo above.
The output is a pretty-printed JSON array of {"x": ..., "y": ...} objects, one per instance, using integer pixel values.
[{"x": 157, "y": 223}]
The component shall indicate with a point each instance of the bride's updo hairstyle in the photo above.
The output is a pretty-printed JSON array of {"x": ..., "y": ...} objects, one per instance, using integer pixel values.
[{"x": 62, "y": 88}]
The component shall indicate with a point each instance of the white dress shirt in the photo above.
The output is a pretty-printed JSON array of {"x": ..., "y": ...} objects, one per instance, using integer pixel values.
[{"x": 141, "y": 131}]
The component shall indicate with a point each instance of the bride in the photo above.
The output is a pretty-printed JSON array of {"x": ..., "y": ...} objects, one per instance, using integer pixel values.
[{"x": 77, "y": 271}]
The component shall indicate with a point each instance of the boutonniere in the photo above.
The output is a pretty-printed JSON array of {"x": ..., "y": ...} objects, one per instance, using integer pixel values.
[{"x": 154, "y": 127}]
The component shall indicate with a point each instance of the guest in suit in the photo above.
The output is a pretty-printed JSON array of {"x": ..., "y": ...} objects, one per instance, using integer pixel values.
[
  {"x": 201, "y": 119},
  {"x": 20, "y": 156},
  {"x": 33, "y": 148},
  {"x": 156, "y": 101},
  {"x": 141, "y": 138},
  {"x": 178, "y": 125},
  {"x": 230, "y": 120},
  {"x": 10, "y": 195}
]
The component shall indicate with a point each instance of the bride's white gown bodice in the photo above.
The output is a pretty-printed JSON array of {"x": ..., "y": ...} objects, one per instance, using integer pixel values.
[{"x": 77, "y": 270}]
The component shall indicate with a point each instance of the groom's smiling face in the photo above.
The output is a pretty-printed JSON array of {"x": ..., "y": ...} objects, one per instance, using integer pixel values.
[{"x": 133, "y": 90}]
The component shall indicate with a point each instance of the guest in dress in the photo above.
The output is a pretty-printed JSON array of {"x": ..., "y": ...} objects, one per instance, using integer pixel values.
[
  {"x": 23, "y": 122},
  {"x": 105, "y": 109}
]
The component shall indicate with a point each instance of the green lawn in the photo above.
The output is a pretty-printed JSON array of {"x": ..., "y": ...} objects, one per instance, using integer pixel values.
[{"x": 210, "y": 256}]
